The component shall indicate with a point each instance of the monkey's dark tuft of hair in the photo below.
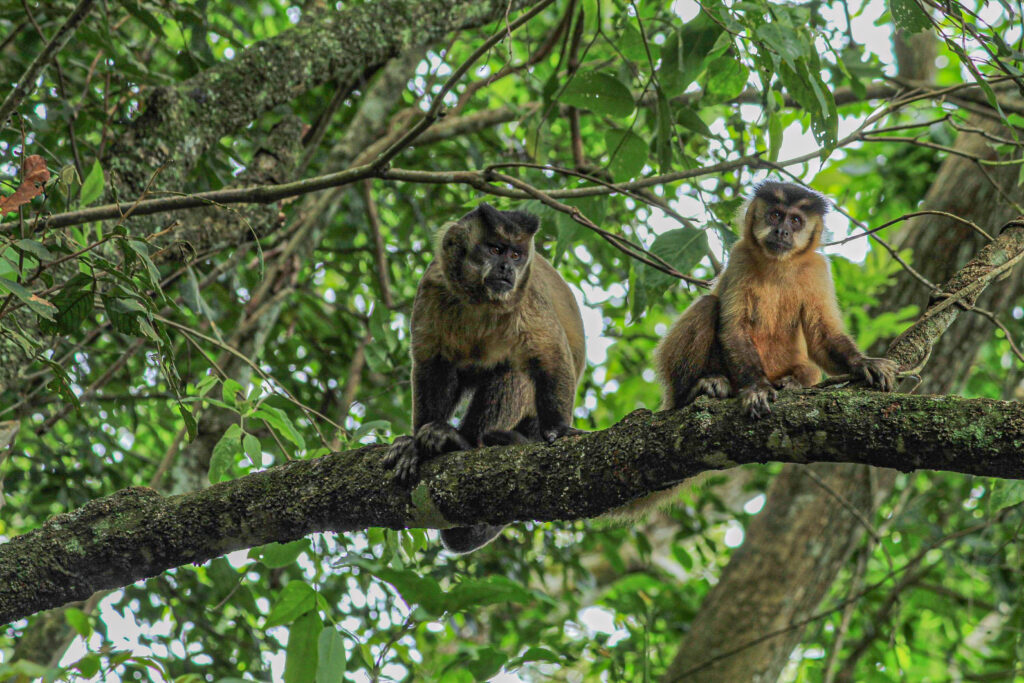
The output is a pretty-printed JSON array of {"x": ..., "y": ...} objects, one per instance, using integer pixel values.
[
  {"x": 524, "y": 221},
  {"x": 774, "y": 192},
  {"x": 510, "y": 221}
]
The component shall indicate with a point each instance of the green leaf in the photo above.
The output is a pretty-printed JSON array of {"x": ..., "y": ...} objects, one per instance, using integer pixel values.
[
  {"x": 688, "y": 118},
  {"x": 600, "y": 93},
  {"x": 37, "y": 249},
  {"x": 807, "y": 88},
  {"x": 540, "y": 654},
  {"x": 331, "y": 656},
  {"x": 190, "y": 421},
  {"x": 488, "y": 662},
  {"x": 457, "y": 675},
  {"x": 225, "y": 453},
  {"x": 92, "y": 186},
  {"x": 631, "y": 43},
  {"x": 300, "y": 663},
  {"x": 88, "y": 665},
  {"x": 74, "y": 305},
  {"x": 280, "y": 421},
  {"x": 628, "y": 153},
  {"x": 663, "y": 141},
  {"x": 232, "y": 392},
  {"x": 774, "y": 136},
  {"x": 123, "y": 314},
  {"x": 142, "y": 249},
  {"x": 909, "y": 16},
  {"x": 1006, "y": 493},
  {"x": 415, "y": 589},
  {"x": 784, "y": 41},
  {"x": 40, "y": 306},
  {"x": 274, "y": 555},
  {"x": 682, "y": 248},
  {"x": 143, "y": 15},
  {"x": 296, "y": 599},
  {"x": 490, "y": 591},
  {"x": 251, "y": 446},
  {"x": 79, "y": 621},
  {"x": 685, "y": 54},
  {"x": 367, "y": 427},
  {"x": 726, "y": 79}
]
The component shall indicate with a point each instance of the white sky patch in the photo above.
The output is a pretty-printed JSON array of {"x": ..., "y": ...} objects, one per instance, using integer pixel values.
[
  {"x": 754, "y": 505},
  {"x": 733, "y": 534}
]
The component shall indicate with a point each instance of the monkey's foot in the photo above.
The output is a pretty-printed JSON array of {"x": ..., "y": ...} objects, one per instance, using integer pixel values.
[
  {"x": 404, "y": 458},
  {"x": 502, "y": 437},
  {"x": 877, "y": 372},
  {"x": 715, "y": 386},
  {"x": 554, "y": 433},
  {"x": 756, "y": 399},
  {"x": 788, "y": 382}
]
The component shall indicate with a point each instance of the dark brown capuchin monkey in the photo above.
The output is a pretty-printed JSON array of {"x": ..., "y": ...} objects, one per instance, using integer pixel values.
[{"x": 495, "y": 322}]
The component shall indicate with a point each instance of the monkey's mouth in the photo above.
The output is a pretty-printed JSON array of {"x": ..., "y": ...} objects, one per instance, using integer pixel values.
[
  {"x": 500, "y": 285},
  {"x": 777, "y": 247}
]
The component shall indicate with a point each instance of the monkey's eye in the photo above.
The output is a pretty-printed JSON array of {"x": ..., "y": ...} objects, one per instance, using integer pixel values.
[
  {"x": 775, "y": 215},
  {"x": 515, "y": 255},
  {"x": 798, "y": 221},
  {"x": 495, "y": 249}
]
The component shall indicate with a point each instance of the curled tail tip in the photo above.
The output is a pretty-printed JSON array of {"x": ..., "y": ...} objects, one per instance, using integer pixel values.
[{"x": 465, "y": 539}]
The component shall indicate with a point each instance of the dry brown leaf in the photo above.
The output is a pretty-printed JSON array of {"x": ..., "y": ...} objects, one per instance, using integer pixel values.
[{"x": 36, "y": 174}]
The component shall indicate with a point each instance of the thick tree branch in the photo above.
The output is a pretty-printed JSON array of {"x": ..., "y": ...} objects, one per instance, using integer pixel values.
[
  {"x": 180, "y": 123},
  {"x": 137, "y": 533}
]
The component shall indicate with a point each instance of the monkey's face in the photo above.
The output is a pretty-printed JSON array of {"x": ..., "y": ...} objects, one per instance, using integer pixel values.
[
  {"x": 785, "y": 219},
  {"x": 502, "y": 264},
  {"x": 784, "y": 229}
]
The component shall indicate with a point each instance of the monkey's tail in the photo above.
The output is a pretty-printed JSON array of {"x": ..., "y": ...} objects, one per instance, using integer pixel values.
[
  {"x": 685, "y": 354},
  {"x": 464, "y": 539}
]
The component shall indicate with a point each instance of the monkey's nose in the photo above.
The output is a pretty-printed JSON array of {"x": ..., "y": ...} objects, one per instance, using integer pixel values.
[{"x": 783, "y": 233}]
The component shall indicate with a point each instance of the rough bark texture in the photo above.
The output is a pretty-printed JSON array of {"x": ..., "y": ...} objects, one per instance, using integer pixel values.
[
  {"x": 940, "y": 246},
  {"x": 181, "y": 122},
  {"x": 137, "y": 533}
]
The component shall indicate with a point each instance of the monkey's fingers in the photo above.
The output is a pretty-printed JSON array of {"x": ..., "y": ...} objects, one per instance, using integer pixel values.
[
  {"x": 880, "y": 373},
  {"x": 397, "y": 449},
  {"x": 407, "y": 468},
  {"x": 557, "y": 432},
  {"x": 756, "y": 400}
]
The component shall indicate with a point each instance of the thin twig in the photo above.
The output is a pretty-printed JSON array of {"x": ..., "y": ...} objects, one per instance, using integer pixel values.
[{"x": 27, "y": 83}]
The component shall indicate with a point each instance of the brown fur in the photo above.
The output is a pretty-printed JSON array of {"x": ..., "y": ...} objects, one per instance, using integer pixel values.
[
  {"x": 518, "y": 353},
  {"x": 772, "y": 320}
]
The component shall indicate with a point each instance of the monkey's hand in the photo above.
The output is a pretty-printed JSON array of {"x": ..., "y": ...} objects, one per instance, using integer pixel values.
[
  {"x": 403, "y": 457},
  {"x": 879, "y": 373},
  {"x": 756, "y": 398},
  {"x": 407, "y": 452},
  {"x": 551, "y": 434}
]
